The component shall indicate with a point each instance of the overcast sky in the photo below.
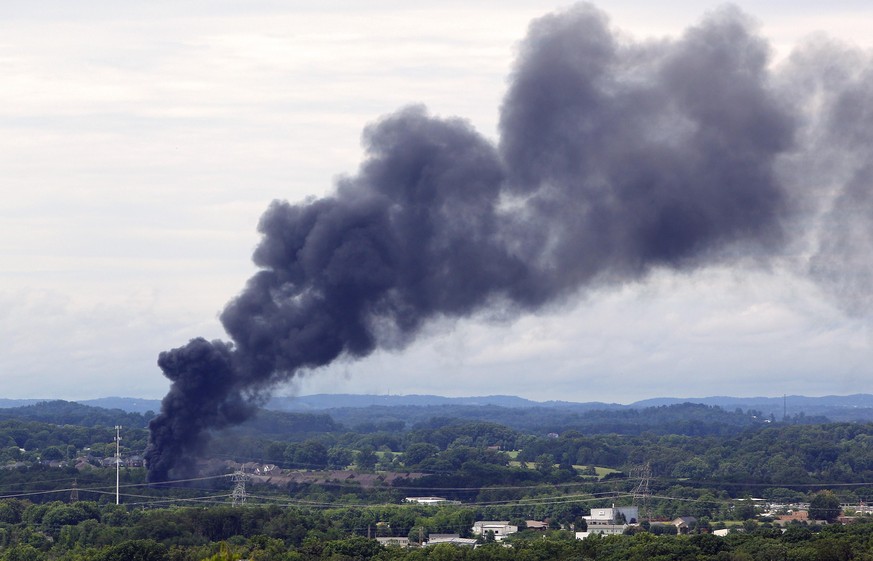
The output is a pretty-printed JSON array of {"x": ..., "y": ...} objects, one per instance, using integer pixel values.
[{"x": 141, "y": 142}]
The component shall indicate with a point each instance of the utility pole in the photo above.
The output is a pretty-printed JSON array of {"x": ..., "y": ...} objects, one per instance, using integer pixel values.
[{"x": 117, "y": 463}]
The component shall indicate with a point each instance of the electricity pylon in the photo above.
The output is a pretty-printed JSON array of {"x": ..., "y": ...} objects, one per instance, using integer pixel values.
[
  {"x": 238, "y": 496},
  {"x": 641, "y": 491}
]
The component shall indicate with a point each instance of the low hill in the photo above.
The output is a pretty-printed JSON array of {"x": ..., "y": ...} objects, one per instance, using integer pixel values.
[
  {"x": 856, "y": 407},
  {"x": 60, "y": 412}
]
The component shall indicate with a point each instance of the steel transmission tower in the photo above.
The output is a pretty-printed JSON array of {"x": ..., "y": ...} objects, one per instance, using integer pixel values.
[
  {"x": 117, "y": 464},
  {"x": 238, "y": 496},
  {"x": 641, "y": 491}
]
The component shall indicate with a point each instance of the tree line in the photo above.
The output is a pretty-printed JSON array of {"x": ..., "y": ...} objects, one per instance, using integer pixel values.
[{"x": 87, "y": 531}]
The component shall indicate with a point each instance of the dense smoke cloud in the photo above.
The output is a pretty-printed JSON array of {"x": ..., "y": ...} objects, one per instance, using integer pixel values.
[
  {"x": 615, "y": 157},
  {"x": 634, "y": 155},
  {"x": 832, "y": 87}
]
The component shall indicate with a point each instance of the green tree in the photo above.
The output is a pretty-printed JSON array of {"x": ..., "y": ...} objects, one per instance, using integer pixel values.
[
  {"x": 311, "y": 454},
  {"x": 275, "y": 452},
  {"x": 357, "y": 548},
  {"x": 224, "y": 553},
  {"x": 746, "y": 510},
  {"x": 135, "y": 550},
  {"x": 339, "y": 457},
  {"x": 545, "y": 463},
  {"x": 52, "y": 453},
  {"x": 419, "y": 452},
  {"x": 10, "y": 511},
  {"x": 366, "y": 458},
  {"x": 267, "y": 548},
  {"x": 61, "y": 514},
  {"x": 824, "y": 506},
  {"x": 23, "y": 552}
]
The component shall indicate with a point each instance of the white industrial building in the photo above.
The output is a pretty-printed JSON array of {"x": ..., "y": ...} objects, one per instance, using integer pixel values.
[
  {"x": 429, "y": 500},
  {"x": 453, "y": 539},
  {"x": 613, "y": 520},
  {"x": 500, "y": 528}
]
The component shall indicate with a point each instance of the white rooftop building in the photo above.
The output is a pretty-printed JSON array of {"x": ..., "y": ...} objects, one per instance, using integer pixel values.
[
  {"x": 428, "y": 500},
  {"x": 453, "y": 539},
  {"x": 613, "y": 515},
  {"x": 500, "y": 528},
  {"x": 608, "y": 521}
]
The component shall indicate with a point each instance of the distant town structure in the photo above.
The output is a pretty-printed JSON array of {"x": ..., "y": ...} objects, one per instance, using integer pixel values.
[
  {"x": 454, "y": 539},
  {"x": 609, "y": 521},
  {"x": 500, "y": 528},
  {"x": 394, "y": 541},
  {"x": 429, "y": 500},
  {"x": 684, "y": 524}
]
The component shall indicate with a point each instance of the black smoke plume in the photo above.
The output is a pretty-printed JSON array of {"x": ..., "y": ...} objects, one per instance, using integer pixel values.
[{"x": 615, "y": 157}]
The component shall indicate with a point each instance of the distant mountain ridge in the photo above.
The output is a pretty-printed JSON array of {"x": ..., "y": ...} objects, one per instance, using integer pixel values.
[
  {"x": 854, "y": 400},
  {"x": 839, "y": 408},
  {"x": 335, "y": 401},
  {"x": 855, "y": 407},
  {"x": 129, "y": 404}
]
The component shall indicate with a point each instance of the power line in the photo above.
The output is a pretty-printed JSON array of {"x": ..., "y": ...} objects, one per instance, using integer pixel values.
[
  {"x": 174, "y": 481},
  {"x": 240, "y": 495}
]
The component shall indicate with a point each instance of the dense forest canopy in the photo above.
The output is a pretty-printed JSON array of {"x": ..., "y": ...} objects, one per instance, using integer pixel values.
[{"x": 331, "y": 484}]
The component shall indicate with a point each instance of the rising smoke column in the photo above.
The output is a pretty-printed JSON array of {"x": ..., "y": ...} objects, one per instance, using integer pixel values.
[
  {"x": 415, "y": 235},
  {"x": 614, "y": 158},
  {"x": 832, "y": 84}
]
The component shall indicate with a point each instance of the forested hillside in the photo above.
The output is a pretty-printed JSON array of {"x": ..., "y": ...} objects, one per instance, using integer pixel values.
[
  {"x": 61, "y": 412},
  {"x": 316, "y": 487}
]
